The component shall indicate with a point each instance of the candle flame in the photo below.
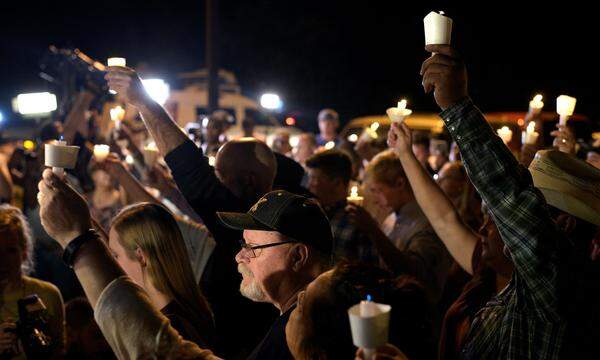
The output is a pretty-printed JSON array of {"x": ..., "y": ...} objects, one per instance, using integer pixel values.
[
  {"x": 369, "y": 298},
  {"x": 531, "y": 127},
  {"x": 538, "y": 98},
  {"x": 354, "y": 191},
  {"x": 62, "y": 138},
  {"x": 375, "y": 126},
  {"x": 330, "y": 145},
  {"x": 402, "y": 104},
  {"x": 117, "y": 113}
]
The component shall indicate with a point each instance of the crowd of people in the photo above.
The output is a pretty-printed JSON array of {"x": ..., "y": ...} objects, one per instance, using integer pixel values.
[{"x": 229, "y": 247}]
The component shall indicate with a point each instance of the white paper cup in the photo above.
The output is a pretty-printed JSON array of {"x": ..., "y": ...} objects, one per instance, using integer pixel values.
[
  {"x": 370, "y": 332},
  {"x": 438, "y": 29},
  {"x": 60, "y": 156},
  {"x": 397, "y": 115}
]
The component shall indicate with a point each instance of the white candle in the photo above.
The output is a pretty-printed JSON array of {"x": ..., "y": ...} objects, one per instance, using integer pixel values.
[
  {"x": 530, "y": 136},
  {"x": 116, "y": 61},
  {"x": 59, "y": 156},
  {"x": 505, "y": 134},
  {"x": 368, "y": 309},
  {"x": 565, "y": 107},
  {"x": 354, "y": 198},
  {"x": 151, "y": 154},
  {"x": 536, "y": 105},
  {"x": 438, "y": 29},
  {"x": 101, "y": 152}
]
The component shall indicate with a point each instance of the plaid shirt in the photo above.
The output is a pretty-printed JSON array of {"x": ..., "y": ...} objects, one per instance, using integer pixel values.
[
  {"x": 523, "y": 321},
  {"x": 348, "y": 242}
]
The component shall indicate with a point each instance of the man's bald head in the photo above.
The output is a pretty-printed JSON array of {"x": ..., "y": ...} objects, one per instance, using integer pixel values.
[{"x": 247, "y": 167}]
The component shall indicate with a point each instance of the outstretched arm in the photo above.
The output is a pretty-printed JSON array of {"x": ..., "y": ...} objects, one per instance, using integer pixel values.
[
  {"x": 459, "y": 239},
  {"x": 129, "y": 322},
  {"x": 518, "y": 208}
]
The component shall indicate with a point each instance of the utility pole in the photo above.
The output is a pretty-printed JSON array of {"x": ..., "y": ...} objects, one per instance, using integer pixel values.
[{"x": 212, "y": 58}]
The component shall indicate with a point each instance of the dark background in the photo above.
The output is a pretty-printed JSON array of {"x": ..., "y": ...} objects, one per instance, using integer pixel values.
[{"x": 359, "y": 58}]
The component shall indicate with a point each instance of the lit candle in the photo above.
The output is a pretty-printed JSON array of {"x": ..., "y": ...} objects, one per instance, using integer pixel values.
[
  {"x": 398, "y": 113},
  {"x": 565, "y": 107},
  {"x": 536, "y": 105},
  {"x": 59, "y": 156},
  {"x": 354, "y": 198},
  {"x": 101, "y": 151},
  {"x": 150, "y": 154},
  {"x": 368, "y": 308},
  {"x": 505, "y": 134},
  {"x": 330, "y": 145},
  {"x": 212, "y": 161},
  {"x": 116, "y": 61},
  {"x": 117, "y": 114},
  {"x": 438, "y": 29},
  {"x": 530, "y": 136}
]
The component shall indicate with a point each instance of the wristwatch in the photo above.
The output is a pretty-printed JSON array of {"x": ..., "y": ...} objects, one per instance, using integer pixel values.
[{"x": 74, "y": 245}]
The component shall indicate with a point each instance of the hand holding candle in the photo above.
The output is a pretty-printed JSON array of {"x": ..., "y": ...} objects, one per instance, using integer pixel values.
[
  {"x": 438, "y": 29},
  {"x": 565, "y": 107},
  {"x": 354, "y": 198},
  {"x": 399, "y": 113},
  {"x": 115, "y": 61}
]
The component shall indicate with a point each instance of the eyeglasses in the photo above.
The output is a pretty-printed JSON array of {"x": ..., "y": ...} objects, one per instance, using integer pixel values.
[{"x": 254, "y": 251}]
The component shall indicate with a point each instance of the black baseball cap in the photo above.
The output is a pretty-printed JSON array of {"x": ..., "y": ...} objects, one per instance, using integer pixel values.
[{"x": 298, "y": 217}]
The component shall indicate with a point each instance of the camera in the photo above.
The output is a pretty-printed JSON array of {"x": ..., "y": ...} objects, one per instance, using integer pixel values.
[
  {"x": 32, "y": 329},
  {"x": 70, "y": 71}
]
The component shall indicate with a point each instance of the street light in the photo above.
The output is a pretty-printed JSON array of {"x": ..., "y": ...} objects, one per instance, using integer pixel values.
[
  {"x": 35, "y": 104},
  {"x": 158, "y": 90},
  {"x": 271, "y": 101}
]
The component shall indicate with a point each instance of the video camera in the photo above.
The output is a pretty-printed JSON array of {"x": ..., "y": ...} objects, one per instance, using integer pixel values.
[
  {"x": 32, "y": 329},
  {"x": 70, "y": 71}
]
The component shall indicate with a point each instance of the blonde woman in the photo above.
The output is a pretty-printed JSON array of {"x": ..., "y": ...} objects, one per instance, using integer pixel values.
[
  {"x": 16, "y": 250},
  {"x": 146, "y": 241}
]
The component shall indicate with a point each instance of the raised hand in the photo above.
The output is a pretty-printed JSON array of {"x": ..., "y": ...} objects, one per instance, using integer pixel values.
[
  {"x": 445, "y": 74},
  {"x": 63, "y": 212},
  {"x": 400, "y": 139},
  {"x": 127, "y": 84}
]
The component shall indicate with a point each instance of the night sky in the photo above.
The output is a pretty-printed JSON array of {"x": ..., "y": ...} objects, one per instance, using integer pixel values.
[{"x": 357, "y": 58}]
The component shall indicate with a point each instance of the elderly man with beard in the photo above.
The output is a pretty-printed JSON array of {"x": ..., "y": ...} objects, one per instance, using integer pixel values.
[{"x": 287, "y": 244}]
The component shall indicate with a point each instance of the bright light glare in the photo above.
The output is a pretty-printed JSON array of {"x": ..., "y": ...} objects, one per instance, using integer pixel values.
[
  {"x": 158, "y": 90},
  {"x": 35, "y": 103},
  {"x": 271, "y": 101}
]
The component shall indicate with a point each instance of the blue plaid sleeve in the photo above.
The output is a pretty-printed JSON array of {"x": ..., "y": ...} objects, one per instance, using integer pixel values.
[{"x": 518, "y": 208}]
